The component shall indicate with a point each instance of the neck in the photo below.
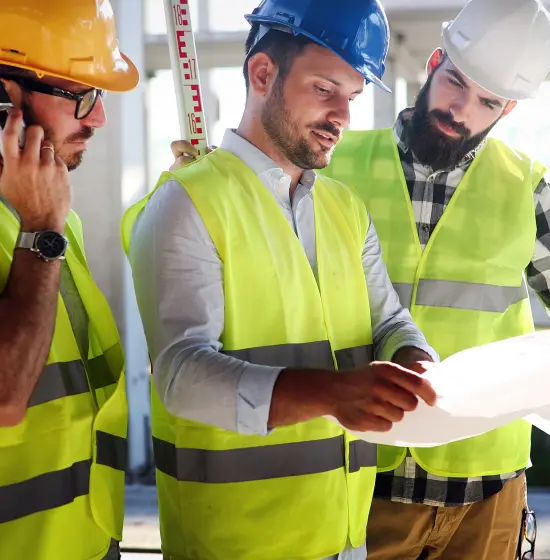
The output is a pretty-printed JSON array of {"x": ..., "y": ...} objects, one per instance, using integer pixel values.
[{"x": 251, "y": 129}]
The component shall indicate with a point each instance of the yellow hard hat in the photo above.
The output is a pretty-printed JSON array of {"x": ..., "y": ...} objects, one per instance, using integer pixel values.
[{"x": 70, "y": 39}]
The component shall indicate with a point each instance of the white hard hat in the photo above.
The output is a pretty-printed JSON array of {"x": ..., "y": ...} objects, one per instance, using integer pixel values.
[{"x": 501, "y": 45}]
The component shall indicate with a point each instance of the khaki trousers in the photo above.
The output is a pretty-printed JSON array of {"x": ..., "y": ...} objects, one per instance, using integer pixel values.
[{"x": 487, "y": 530}]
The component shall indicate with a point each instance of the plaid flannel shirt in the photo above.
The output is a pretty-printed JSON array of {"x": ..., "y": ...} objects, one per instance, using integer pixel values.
[{"x": 430, "y": 194}]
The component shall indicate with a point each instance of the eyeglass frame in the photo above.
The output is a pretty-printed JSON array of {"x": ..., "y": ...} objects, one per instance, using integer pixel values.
[
  {"x": 523, "y": 537},
  {"x": 47, "y": 89}
]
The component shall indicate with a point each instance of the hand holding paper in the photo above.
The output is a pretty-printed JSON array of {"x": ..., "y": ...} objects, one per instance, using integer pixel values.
[{"x": 478, "y": 390}]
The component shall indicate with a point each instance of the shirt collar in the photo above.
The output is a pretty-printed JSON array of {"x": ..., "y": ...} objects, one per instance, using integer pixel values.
[
  {"x": 259, "y": 162},
  {"x": 400, "y": 130}
]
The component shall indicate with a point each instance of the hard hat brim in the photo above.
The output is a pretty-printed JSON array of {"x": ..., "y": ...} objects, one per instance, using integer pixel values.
[
  {"x": 378, "y": 82},
  {"x": 113, "y": 81}
]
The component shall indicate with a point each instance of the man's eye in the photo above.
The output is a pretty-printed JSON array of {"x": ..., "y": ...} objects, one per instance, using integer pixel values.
[
  {"x": 455, "y": 83},
  {"x": 322, "y": 90}
]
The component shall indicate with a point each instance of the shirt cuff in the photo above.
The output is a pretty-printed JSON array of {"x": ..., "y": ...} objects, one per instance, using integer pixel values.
[
  {"x": 254, "y": 393},
  {"x": 395, "y": 343}
]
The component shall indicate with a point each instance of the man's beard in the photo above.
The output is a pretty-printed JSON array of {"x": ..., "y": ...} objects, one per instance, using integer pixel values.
[
  {"x": 286, "y": 137},
  {"x": 75, "y": 159},
  {"x": 431, "y": 146}
]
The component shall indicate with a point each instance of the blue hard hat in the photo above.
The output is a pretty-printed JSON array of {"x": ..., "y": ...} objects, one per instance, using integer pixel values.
[{"x": 355, "y": 30}]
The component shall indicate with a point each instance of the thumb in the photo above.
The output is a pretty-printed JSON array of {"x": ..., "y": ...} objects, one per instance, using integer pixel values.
[
  {"x": 181, "y": 161},
  {"x": 420, "y": 366}
]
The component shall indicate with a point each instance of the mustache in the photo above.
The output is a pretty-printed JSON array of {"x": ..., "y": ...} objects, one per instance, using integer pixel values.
[
  {"x": 85, "y": 134},
  {"x": 328, "y": 128},
  {"x": 447, "y": 120}
]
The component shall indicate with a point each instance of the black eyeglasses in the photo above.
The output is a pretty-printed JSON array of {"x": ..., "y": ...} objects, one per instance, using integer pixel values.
[
  {"x": 85, "y": 100},
  {"x": 528, "y": 534}
]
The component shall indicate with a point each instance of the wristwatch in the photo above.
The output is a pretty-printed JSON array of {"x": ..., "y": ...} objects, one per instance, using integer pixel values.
[{"x": 48, "y": 245}]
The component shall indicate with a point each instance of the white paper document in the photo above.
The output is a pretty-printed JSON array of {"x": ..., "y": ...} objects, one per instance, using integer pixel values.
[{"x": 479, "y": 389}]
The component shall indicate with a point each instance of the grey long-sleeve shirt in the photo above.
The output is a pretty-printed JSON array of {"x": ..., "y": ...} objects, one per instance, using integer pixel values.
[{"x": 178, "y": 281}]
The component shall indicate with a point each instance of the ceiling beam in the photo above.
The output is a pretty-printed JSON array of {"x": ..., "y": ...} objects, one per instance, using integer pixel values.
[{"x": 415, "y": 33}]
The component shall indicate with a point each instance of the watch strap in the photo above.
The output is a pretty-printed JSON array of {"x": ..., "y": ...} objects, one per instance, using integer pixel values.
[{"x": 26, "y": 240}]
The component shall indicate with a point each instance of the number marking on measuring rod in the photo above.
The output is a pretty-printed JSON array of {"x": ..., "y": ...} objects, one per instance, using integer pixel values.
[{"x": 185, "y": 69}]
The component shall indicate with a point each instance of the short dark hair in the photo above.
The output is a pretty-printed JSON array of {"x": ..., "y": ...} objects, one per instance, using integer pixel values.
[
  {"x": 13, "y": 72},
  {"x": 281, "y": 47}
]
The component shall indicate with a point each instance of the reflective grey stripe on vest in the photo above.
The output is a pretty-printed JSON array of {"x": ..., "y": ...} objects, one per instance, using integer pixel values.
[
  {"x": 66, "y": 379},
  {"x": 76, "y": 312},
  {"x": 260, "y": 463},
  {"x": 405, "y": 292},
  {"x": 361, "y": 454},
  {"x": 112, "y": 451},
  {"x": 465, "y": 295},
  {"x": 63, "y": 379},
  {"x": 44, "y": 492},
  {"x": 59, "y": 488},
  {"x": 354, "y": 357},
  {"x": 307, "y": 355},
  {"x": 99, "y": 373},
  {"x": 248, "y": 464}
]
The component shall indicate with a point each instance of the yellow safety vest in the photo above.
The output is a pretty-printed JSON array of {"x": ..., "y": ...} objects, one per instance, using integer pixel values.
[
  {"x": 467, "y": 287},
  {"x": 62, "y": 468},
  {"x": 303, "y": 490}
]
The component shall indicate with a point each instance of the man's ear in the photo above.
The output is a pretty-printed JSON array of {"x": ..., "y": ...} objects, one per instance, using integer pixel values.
[
  {"x": 510, "y": 106},
  {"x": 262, "y": 72},
  {"x": 436, "y": 58}
]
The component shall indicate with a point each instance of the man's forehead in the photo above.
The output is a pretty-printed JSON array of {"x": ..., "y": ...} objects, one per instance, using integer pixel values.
[
  {"x": 449, "y": 67},
  {"x": 320, "y": 59},
  {"x": 65, "y": 84}
]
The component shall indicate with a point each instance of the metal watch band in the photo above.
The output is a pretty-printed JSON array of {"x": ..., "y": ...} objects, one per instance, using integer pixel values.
[{"x": 26, "y": 240}]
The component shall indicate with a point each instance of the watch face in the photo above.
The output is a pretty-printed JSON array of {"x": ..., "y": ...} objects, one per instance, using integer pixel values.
[{"x": 51, "y": 245}]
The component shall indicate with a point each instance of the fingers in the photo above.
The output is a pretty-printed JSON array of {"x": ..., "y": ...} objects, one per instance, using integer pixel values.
[
  {"x": 47, "y": 153},
  {"x": 10, "y": 135},
  {"x": 396, "y": 395},
  {"x": 366, "y": 422},
  {"x": 413, "y": 383},
  {"x": 427, "y": 393},
  {"x": 377, "y": 424},
  {"x": 183, "y": 147},
  {"x": 387, "y": 411}
]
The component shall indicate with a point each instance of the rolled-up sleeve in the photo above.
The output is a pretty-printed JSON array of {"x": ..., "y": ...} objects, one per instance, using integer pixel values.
[
  {"x": 393, "y": 326},
  {"x": 178, "y": 279}
]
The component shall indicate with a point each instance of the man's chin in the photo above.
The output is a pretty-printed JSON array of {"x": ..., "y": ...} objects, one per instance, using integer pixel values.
[
  {"x": 74, "y": 160},
  {"x": 320, "y": 158},
  {"x": 321, "y": 163},
  {"x": 318, "y": 161}
]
